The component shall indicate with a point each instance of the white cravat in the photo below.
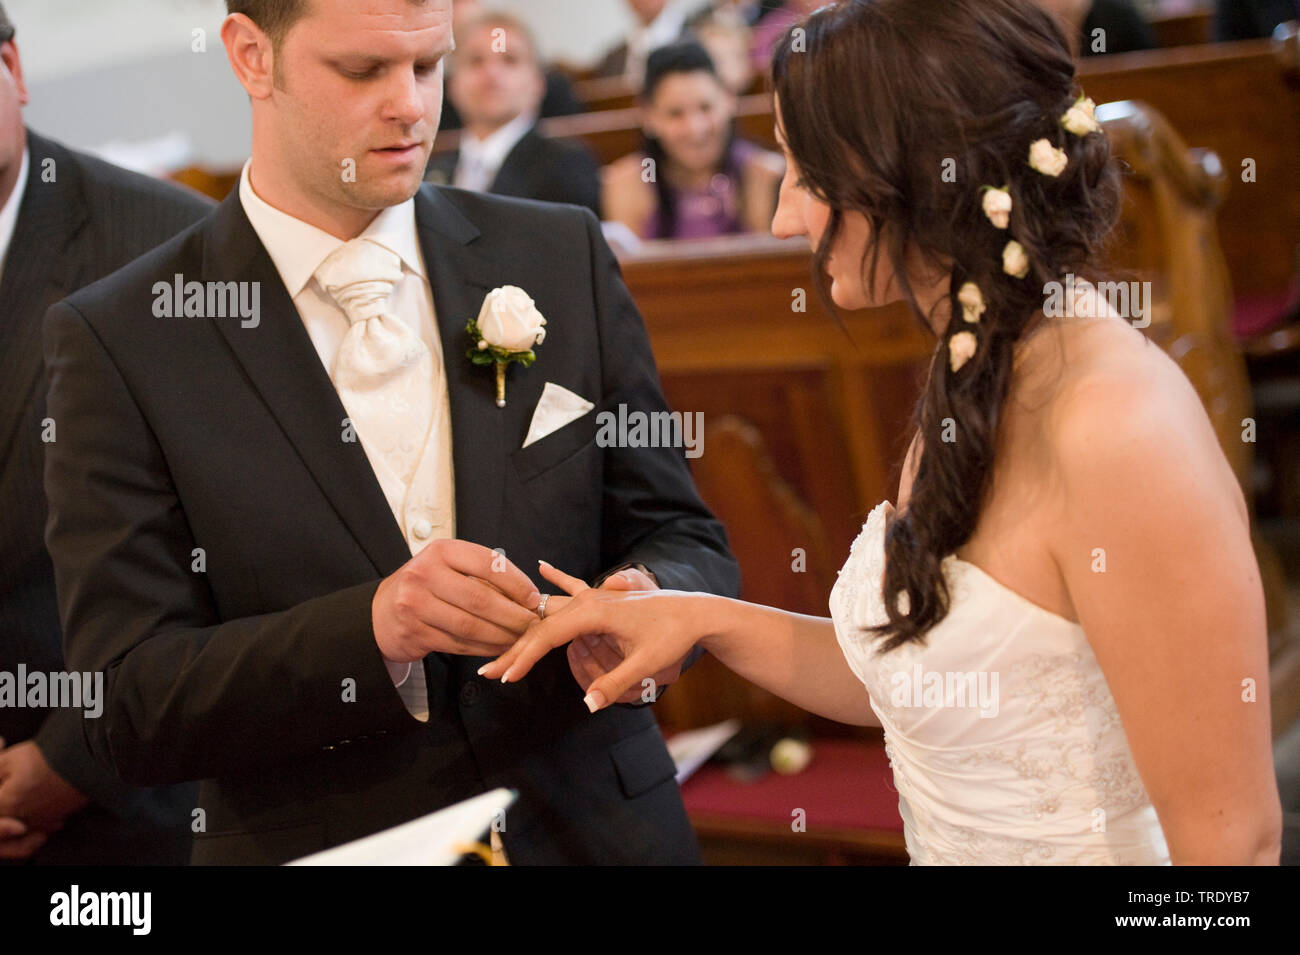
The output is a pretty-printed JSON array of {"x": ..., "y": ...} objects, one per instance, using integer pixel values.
[
  {"x": 297, "y": 249},
  {"x": 384, "y": 374}
]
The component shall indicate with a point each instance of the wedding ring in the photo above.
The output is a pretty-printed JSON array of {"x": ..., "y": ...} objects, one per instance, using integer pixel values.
[{"x": 541, "y": 606}]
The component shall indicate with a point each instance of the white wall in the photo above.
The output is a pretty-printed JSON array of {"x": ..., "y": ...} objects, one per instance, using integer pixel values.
[{"x": 102, "y": 70}]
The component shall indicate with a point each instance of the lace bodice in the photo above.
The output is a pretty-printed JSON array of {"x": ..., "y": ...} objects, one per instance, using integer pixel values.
[{"x": 1001, "y": 730}]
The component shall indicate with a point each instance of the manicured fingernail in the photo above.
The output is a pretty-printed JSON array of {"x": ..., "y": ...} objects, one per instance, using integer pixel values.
[
  {"x": 532, "y": 600},
  {"x": 505, "y": 677},
  {"x": 542, "y": 563},
  {"x": 581, "y": 647},
  {"x": 482, "y": 668},
  {"x": 594, "y": 700}
]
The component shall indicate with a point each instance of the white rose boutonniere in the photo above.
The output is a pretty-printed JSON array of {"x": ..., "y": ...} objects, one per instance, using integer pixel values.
[{"x": 507, "y": 329}]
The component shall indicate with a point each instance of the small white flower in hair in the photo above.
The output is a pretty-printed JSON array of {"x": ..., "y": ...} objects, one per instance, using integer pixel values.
[
  {"x": 1081, "y": 118},
  {"x": 961, "y": 348},
  {"x": 1047, "y": 159},
  {"x": 997, "y": 206},
  {"x": 1015, "y": 260},
  {"x": 972, "y": 302}
]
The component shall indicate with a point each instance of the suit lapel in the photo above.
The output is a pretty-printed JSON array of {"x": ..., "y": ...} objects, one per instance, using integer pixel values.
[
  {"x": 38, "y": 272},
  {"x": 461, "y": 276},
  {"x": 284, "y": 367},
  {"x": 286, "y": 370}
]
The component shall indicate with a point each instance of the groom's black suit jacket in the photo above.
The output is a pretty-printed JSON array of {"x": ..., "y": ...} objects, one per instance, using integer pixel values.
[{"x": 258, "y": 672}]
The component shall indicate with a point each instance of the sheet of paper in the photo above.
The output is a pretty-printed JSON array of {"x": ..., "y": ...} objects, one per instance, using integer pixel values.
[
  {"x": 430, "y": 840},
  {"x": 691, "y": 749}
]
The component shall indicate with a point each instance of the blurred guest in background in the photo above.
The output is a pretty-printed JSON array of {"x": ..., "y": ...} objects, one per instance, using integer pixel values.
[
  {"x": 66, "y": 219},
  {"x": 1096, "y": 27},
  {"x": 497, "y": 87},
  {"x": 658, "y": 23},
  {"x": 773, "y": 27},
  {"x": 695, "y": 177},
  {"x": 748, "y": 12},
  {"x": 1251, "y": 19},
  {"x": 728, "y": 41},
  {"x": 558, "y": 100}
]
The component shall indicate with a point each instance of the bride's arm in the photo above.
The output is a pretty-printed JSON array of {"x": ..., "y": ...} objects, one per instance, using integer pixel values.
[
  {"x": 792, "y": 655},
  {"x": 1154, "y": 546}
]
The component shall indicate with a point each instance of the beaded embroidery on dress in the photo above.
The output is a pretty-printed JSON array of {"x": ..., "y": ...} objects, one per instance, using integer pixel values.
[{"x": 1001, "y": 730}]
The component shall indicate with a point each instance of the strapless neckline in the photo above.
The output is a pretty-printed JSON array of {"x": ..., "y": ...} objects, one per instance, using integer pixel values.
[{"x": 979, "y": 573}]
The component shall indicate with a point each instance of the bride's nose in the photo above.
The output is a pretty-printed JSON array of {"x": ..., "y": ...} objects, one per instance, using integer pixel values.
[{"x": 788, "y": 219}]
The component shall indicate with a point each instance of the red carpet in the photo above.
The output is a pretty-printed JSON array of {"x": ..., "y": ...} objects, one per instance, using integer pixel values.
[{"x": 848, "y": 784}]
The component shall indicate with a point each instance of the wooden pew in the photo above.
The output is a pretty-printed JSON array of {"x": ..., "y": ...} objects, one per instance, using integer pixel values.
[
  {"x": 802, "y": 422},
  {"x": 1242, "y": 101},
  {"x": 1188, "y": 28}
]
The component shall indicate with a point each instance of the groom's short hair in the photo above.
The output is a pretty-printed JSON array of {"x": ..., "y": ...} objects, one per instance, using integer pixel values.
[{"x": 274, "y": 17}]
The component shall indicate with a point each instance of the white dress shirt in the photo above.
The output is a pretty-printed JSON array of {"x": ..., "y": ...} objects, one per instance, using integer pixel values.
[
  {"x": 481, "y": 159},
  {"x": 9, "y": 214},
  {"x": 297, "y": 249}
]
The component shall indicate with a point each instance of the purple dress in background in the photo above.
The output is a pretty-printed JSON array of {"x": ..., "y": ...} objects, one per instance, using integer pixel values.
[{"x": 713, "y": 210}]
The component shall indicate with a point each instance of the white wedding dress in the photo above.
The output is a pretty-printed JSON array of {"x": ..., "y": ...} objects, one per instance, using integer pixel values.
[{"x": 1003, "y": 736}]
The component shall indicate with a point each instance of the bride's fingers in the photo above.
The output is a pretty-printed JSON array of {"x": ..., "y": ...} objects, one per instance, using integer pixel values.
[
  {"x": 614, "y": 684},
  {"x": 544, "y": 637},
  {"x": 569, "y": 584}
]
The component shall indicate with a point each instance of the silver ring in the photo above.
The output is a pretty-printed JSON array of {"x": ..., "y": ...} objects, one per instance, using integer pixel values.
[{"x": 541, "y": 606}]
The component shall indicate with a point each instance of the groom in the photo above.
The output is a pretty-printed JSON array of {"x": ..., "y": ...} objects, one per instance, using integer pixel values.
[{"x": 288, "y": 515}]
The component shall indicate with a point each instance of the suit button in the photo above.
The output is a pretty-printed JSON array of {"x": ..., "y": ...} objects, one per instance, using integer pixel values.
[
  {"x": 421, "y": 529},
  {"x": 327, "y": 748},
  {"x": 470, "y": 693}
]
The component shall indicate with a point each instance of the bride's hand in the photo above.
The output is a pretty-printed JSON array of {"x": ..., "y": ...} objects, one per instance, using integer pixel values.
[{"x": 653, "y": 631}]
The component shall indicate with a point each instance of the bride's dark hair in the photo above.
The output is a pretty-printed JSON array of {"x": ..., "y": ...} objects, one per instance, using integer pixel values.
[{"x": 877, "y": 99}]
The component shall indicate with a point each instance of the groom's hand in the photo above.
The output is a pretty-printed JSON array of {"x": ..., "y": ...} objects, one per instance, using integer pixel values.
[
  {"x": 592, "y": 656},
  {"x": 452, "y": 597}
]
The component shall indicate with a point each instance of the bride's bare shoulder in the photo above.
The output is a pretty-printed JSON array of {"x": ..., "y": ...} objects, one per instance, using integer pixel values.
[{"x": 1117, "y": 401}]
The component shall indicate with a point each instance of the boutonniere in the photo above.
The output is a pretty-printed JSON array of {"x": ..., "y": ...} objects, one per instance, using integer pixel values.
[{"x": 507, "y": 329}]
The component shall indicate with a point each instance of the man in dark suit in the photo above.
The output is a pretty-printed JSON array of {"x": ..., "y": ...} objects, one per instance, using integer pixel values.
[
  {"x": 496, "y": 83},
  {"x": 68, "y": 219},
  {"x": 558, "y": 100},
  {"x": 256, "y": 583}
]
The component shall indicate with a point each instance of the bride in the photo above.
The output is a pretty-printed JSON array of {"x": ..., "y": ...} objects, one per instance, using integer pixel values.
[{"x": 1060, "y": 626}]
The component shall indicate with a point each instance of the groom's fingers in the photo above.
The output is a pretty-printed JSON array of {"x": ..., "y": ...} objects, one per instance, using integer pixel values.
[
  {"x": 477, "y": 597},
  {"x": 541, "y": 639},
  {"x": 475, "y": 560}
]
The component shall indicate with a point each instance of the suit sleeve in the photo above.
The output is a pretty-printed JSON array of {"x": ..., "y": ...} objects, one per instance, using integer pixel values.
[
  {"x": 187, "y": 695},
  {"x": 62, "y": 741},
  {"x": 652, "y": 513}
]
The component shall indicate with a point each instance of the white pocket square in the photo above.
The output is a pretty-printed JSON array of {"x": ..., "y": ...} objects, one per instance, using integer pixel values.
[{"x": 556, "y": 408}]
